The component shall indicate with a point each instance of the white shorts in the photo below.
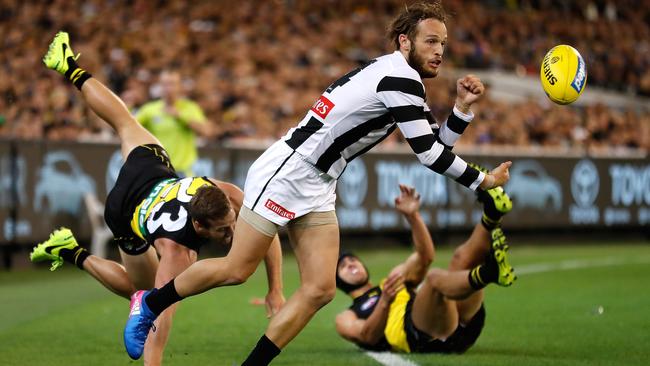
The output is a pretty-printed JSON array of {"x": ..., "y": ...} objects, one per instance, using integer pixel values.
[{"x": 281, "y": 186}]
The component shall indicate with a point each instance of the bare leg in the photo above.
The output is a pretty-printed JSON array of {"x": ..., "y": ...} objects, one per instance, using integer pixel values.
[
  {"x": 249, "y": 247},
  {"x": 141, "y": 268},
  {"x": 446, "y": 297},
  {"x": 434, "y": 311},
  {"x": 174, "y": 259},
  {"x": 473, "y": 251},
  {"x": 467, "y": 256},
  {"x": 316, "y": 250},
  {"x": 111, "y": 109},
  {"x": 110, "y": 274}
]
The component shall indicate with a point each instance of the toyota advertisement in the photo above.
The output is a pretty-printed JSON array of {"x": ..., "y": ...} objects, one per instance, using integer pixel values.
[{"x": 43, "y": 185}]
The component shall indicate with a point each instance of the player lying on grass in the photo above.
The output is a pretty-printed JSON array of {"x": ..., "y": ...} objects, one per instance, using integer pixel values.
[
  {"x": 150, "y": 210},
  {"x": 417, "y": 309}
]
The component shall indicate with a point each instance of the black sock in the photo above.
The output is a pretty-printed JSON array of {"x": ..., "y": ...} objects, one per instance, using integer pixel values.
[
  {"x": 263, "y": 353},
  {"x": 483, "y": 274},
  {"x": 75, "y": 74},
  {"x": 160, "y": 299},
  {"x": 76, "y": 256},
  {"x": 489, "y": 223}
]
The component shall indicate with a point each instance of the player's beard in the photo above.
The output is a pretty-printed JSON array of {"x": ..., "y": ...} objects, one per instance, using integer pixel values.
[{"x": 418, "y": 63}]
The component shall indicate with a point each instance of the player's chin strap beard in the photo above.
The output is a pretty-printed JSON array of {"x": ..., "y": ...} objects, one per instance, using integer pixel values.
[{"x": 345, "y": 286}]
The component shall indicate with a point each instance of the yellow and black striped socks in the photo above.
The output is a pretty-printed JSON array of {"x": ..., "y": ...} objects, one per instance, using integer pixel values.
[
  {"x": 483, "y": 274},
  {"x": 475, "y": 279},
  {"x": 76, "y": 256},
  {"x": 490, "y": 222},
  {"x": 75, "y": 74}
]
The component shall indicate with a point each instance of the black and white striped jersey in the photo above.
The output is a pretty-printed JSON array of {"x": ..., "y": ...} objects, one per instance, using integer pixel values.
[{"x": 366, "y": 105}]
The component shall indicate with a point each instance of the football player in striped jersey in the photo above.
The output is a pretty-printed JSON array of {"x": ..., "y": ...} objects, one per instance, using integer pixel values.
[{"x": 293, "y": 183}]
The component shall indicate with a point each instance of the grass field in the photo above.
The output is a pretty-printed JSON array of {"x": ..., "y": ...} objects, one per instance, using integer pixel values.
[{"x": 549, "y": 317}]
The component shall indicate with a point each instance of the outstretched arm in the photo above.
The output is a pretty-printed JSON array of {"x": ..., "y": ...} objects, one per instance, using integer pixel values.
[
  {"x": 403, "y": 95},
  {"x": 415, "y": 267},
  {"x": 174, "y": 259},
  {"x": 273, "y": 262}
]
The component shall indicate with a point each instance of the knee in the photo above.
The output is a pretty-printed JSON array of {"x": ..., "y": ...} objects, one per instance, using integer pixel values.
[
  {"x": 239, "y": 273},
  {"x": 458, "y": 258},
  {"x": 434, "y": 276},
  {"x": 319, "y": 294},
  {"x": 238, "y": 277}
]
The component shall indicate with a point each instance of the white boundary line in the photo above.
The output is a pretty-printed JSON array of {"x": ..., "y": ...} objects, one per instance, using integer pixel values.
[
  {"x": 394, "y": 359},
  {"x": 578, "y": 264},
  {"x": 390, "y": 359}
]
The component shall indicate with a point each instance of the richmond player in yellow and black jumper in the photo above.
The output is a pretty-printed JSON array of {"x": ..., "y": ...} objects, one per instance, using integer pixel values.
[
  {"x": 159, "y": 220},
  {"x": 416, "y": 309}
]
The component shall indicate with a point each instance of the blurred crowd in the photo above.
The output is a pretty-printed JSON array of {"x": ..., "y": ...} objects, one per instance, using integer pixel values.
[{"x": 255, "y": 67}]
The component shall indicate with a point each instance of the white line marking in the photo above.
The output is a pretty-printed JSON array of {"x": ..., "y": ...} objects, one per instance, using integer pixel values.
[
  {"x": 577, "y": 264},
  {"x": 393, "y": 359},
  {"x": 390, "y": 359}
]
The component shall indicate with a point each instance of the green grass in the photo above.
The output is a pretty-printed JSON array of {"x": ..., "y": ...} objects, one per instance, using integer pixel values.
[{"x": 547, "y": 318}]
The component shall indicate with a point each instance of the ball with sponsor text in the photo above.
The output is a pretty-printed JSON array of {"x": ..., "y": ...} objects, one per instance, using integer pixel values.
[{"x": 563, "y": 74}]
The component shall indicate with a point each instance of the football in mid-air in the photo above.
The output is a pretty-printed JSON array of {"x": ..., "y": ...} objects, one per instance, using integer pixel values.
[{"x": 563, "y": 74}]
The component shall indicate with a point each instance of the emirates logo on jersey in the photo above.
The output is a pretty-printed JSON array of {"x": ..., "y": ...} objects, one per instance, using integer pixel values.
[
  {"x": 281, "y": 211},
  {"x": 322, "y": 107}
]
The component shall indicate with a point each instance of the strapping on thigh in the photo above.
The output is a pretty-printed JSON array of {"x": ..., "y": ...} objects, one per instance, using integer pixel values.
[
  {"x": 259, "y": 222},
  {"x": 315, "y": 219}
]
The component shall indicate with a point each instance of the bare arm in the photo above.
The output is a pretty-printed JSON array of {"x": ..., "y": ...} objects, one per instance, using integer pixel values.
[
  {"x": 349, "y": 326},
  {"x": 415, "y": 267},
  {"x": 273, "y": 263},
  {"x": 193, "y": 119},
  {"x": 206, "y": 130},
  {"x": 174, "y": 259},
  {"x": 370, "y": 331}
]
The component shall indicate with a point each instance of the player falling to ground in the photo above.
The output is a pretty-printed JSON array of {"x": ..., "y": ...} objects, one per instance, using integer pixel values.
[
  {"x": 293, "y": 183},
  {"x": 417, "y": 309},
  {"x": 150, "y": 210}
]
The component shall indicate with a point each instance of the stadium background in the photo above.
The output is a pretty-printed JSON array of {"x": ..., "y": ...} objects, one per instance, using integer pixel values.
[{"x": 581, "y": 173}]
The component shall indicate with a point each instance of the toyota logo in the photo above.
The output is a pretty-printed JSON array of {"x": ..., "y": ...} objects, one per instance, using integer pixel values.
[{"x": 585, "y": 183}]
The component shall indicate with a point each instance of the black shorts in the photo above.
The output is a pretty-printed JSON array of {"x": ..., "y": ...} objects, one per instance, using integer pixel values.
[
  {"x": 145, "y": 166},
  {"x": 459, "y": 342}
]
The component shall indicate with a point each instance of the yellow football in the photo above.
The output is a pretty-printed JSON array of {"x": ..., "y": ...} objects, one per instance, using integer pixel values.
[{"x": 563, "y": 74}]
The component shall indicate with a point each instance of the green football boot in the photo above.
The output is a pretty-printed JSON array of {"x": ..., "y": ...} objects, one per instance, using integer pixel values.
[
  {"x": 51, "y": 248},
  {"x": 59, "y": 53},
  {"x": 494, "y": 200},
  {"x": 499, "y": 254}
]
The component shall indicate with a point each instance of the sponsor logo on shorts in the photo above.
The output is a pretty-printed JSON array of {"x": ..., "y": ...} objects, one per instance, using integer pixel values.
[
  {"x": 281, "y": 211},
  {"x": 322, "y": 107}
]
